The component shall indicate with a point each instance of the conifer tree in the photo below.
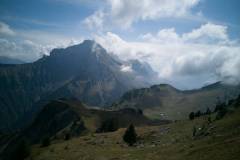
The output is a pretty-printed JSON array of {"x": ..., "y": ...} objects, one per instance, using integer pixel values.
[{"x": 130, "y": 136}]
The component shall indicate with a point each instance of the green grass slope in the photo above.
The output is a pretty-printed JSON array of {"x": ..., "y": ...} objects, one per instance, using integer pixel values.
[
  {"x": 165, "y": 102},
  {"x": 174, "y": 141}
]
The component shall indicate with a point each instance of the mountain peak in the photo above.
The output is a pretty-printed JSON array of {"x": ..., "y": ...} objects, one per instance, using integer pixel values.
[
  {"x": 164, "y": 87},
  {"x": 213, "y": 85},
  {"x": 89, "y": 42}
]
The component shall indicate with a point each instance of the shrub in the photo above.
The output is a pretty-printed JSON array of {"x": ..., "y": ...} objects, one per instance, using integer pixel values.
[
  {"x": 237, "y": 104},
  {"x": 109, "y": 125},
  {"x": 209, "y": 120},
  {"x": 221, "y": 113},
  {"x": 130, "y": 136},
  {"x": 45, "y": 142},
  {"x": 67, "y": 136},
  {"x": 208, "y": 111},
  {"x": 194, "y": 131},
  {"x": 22, "y": 150},
  {"x": 191, "y": 116},
  {"x": 219, "y": 107},
  {"x": 198, "y": 114},
  {"x": 230, "y": 102},
  {"x": 140, "y": 111}
]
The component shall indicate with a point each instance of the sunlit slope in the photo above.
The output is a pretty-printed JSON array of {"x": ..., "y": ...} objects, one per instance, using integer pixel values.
[
  {"x": 166, "y": 142},
  {"x": 166, "y": 102}
]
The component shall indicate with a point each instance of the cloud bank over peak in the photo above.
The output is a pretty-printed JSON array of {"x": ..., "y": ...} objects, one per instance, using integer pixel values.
[
  {"x": 96, "y": 20},
  {"x": 207, "y": 33},
  {"x": 189, "y": 60},
  {"x": 124, "y": 13},
  {"x": 30, "y": 45}
]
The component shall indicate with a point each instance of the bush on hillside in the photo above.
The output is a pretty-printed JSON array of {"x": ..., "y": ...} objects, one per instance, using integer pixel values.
[
  {"x": 140, "y": 111},
  {"x": 208, "y": 111},
  {"x": 194, "y": 131},
  {"x": 109, "y": 125},
  {"x": 221, "y": 113},
  {"x": 22, "y": 150},
  {"x": 191, "y": 116},
  {"x": 130, "y": 136},
  {"x": 45, "y": 142},
  {"x": 67, "y": 136},
  {"x": 198, "y": 114},
  {"x": 209, "y": 120},
  {"x": 219, "y": 107}
]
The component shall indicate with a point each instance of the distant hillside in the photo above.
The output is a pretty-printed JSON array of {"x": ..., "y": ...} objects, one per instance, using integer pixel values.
[
  {"x": 8, "y": 60},
  {"x": 71, "y": 116},
  {"x": 85, "y": 71},
  {"x": 166, "y": 102}
]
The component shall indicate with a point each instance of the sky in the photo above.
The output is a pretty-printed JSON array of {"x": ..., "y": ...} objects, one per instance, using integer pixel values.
[{"x": 189, "y": 43}]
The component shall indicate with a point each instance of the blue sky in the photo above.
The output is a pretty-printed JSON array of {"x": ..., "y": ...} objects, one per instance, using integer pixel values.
[
  {"x": 185, "y": 33},
  {"x": 64, "y": 17}
]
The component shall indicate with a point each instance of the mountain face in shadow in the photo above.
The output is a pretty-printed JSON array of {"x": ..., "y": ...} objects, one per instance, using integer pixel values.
[
  {"x": 85, "y": 71},
  {"x": 166, "y": 102}
]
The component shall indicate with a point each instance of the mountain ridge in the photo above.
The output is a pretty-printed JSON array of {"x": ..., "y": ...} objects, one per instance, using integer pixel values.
[
  {"x": 166, "y": 102},
  {"x": 85, "y": 71},
  {"x": 9, "y": 60}
]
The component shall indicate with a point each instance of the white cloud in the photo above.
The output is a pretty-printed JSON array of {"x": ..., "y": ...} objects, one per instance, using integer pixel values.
[
  {"x": 208, "y": 31},
  {"x": 163, "y": 36},
  {"x": 5, "y": 29},
  {"x": 28, "y": 50},
  {"x": 183, "y": 60},
  {"x": 123, "y": 13},
  {"x": 95, "y": 21},
  {"x": 25, "y": 50},
  {"x": 126, "y": 68},
  {"x": 205, "y": 34},
  {"x": 30, "y": 45}
]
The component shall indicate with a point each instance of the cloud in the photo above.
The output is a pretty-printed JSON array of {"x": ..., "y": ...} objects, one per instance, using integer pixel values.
[
  {"x": 30, "y": 45},
  {"x": 126, "y": 68},
  {"x": 126, "y": 12},
  {"x": 123, "y": 13},
  {"x": 183, "y": 60},
  {"x": 163, "y": 36},
  {"x": 48, "y": 38},
  {"x": 208, "y": 31},
  {"x": 25, "y": 50},
  {"x": 28, "y": 50},
  {"x": 95, "y": 21},
  {"x": 6, "y": 30}
]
